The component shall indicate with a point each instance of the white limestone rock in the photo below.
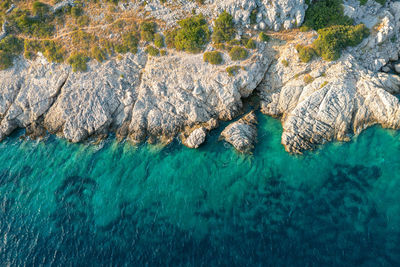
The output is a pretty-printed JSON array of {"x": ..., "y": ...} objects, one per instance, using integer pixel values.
[
  {"x": 181, "y": 90},
  {"x": 196, "y": 138},
  {"x": 242, "y": 134},
  {"x": 92, "y": 102},
  {"x": 30, "y": 92}
]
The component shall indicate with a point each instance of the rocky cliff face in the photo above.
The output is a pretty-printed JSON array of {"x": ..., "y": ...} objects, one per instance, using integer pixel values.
[
  {"x": 156, "y": 98},
  {"x": 322, "y": 101},
  {"x": 180, "y": 90},
  {"x": 143, "y": 98}
]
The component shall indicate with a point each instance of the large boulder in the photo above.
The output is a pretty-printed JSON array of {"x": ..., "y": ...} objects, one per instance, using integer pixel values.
[{"x": 242, "y": 134}]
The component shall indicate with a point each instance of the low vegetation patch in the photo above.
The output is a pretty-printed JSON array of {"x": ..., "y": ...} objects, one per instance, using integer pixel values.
[
  {"x": 159, "y": 40},
  {"x": 251, "y": 44},
  {"x": 10, "y": 47},
  {"x": 152, "y": 51},
  {"x": 233, "y": 70},
  {"x": 238, "y": 53},
  {"x": 308, "y": 79},
  {"x": 263, "y": 37},
  {"x": 99, "y": 54},
  {"x": 306, "y": 53},
  {"x": 147, "y": 31},
  {"x": 213, "y": 57},
  {"x": 78, "y": 61}
]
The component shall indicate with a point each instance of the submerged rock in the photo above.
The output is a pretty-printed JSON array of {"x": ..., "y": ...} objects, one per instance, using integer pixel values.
[{"x": 242, "y": 134}]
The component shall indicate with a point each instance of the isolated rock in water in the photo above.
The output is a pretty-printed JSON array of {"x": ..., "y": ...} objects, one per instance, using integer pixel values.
[
  {"x": 242, "y": 134},
  {"x": 196, "y": 138}
]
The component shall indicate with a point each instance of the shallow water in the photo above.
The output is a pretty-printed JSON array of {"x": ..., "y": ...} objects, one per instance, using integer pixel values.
[{"x": 67, "y": 204}]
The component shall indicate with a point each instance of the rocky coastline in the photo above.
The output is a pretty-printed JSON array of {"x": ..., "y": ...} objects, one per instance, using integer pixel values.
[{"x": 155, "y": 99}]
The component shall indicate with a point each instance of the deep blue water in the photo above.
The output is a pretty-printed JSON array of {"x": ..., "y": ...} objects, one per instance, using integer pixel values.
[{"x": 112, "y": 204}]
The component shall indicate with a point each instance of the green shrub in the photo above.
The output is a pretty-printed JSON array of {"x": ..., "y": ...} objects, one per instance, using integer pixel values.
[
  {"x": 78, "y": 61},
  {"x": 159, "y": 40},
  {"x": 40, "y": 9},
  {"x": 163, "y": 52},
  {"x": 129, "y": 43},
  {"x": 253, "y": 16},
  {"x": 170, "y": 38},
  {"x": 147, "y": 31},
  {"x": 219, "y": 46},
  {"x": 224, "y": 29},
  {"x": 331, "y": 41},
  {"x": 242, "y": 41},
  {"x": 285, "y": 62},
  {"x": 213, "y": 57},
  {"x": 233, "y": 70},
  {"x": 308, "y": 79},
  {"x": 251, "y": 44},
  {"x": 323, "y": 84},
  {"x": 305, "y": 28},
  {"x": 152, "y": 51},
  {"x": 306, "y": 53},
  {"x": 99, "y": 54},
  {"x": 193, "y": 34},
  {"x": 325, "y": 13},
  {"x": 83, "y": 40},
  {"x": 76, "y": 11},
  {"x": 10, "y": 47},
  {"x": 22, "y": 22},
  {"x": 263, "y": 37},
  {"x": 53, "y": 52},
  {"x": 6, "y": 60},
  {"x": 238, "y": 53},
  {"x": 83, "y": 21}
]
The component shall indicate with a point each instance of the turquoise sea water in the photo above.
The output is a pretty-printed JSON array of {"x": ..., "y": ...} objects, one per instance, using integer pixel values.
[{"x": 112, "y": 204}]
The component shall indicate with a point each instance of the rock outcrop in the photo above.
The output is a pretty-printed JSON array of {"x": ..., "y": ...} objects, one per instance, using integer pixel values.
[
  {"x": 92, "y": 102},
  {"x": 181, "y": 90},
  {"x": 275, "y": 15},
  {"x": 322, "y": 101},
  {"x": 153, "y": 98},
  {"x": 28, "y": 91},
  {"x": 242, "y": 134},
  {"x": 196, "y": 138},
  {"x": 4, "y": 30},
  {"x": 257, "y": 14}
]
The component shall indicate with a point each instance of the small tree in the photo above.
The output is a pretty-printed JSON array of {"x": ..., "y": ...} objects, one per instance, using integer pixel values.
[{"x": 224, "y": 29}]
